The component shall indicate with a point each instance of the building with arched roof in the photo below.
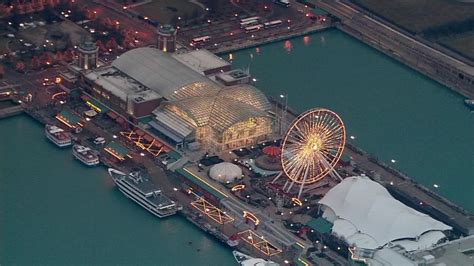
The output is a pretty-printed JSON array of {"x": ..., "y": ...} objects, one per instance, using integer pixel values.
[
  {"x": 219, "y": 119},
  {"x": 186, "y": 105},
  {"x": 365, "y": 215}
]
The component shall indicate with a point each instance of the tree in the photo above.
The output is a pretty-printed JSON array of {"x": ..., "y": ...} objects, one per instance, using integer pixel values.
[
  {"x": 111, "y": 44},
  {"x": 2, "y": 71},
  {"x": 35, "y": 62},
  {"x": 59, "y": 56},
  {"x": 5, "y": 10},
  {"x": 20, "y": 66},
  {"x": 101, "y": 46}
]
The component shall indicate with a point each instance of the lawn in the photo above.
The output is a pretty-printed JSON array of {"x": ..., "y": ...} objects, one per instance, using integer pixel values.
[
  {"x": 419, "y": 15},
  {"x": 165, "y": 10}
]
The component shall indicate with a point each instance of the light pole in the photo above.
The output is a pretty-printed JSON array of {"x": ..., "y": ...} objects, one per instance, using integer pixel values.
[{"x": 284, "y": 110}]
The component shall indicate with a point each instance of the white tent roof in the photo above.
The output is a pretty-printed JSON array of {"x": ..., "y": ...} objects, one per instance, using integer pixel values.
[
  {"x": 225, "y": 172},
  {"x": 370, "y": 210}
]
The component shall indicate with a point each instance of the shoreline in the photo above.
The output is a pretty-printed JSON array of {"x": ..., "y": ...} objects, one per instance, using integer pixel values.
[
  {"x": 254, "y": 43},
  {"x": 384, "y": 37}
]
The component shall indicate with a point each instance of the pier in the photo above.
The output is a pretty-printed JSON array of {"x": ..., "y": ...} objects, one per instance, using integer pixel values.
[
  {"x": 11, "y": 111},
  {"x": 401, "y": 186},
  {"x": 399, "y": 45},
  {"x": 235, "y": 46}
]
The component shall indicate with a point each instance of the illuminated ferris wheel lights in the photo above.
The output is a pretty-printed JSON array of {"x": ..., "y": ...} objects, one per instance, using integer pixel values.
[{"x": 312, "y": 146}]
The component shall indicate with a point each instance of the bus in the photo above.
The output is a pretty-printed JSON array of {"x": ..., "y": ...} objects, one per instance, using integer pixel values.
[
  {"x": 272, "y": 23},
  {"x": 285, "y": 3},
  {"x": 248, "y": 23},
  {"x": 199, "y": 40},
  {"x": 254, "y": 28},
  {"x": 249, "y": 19}
]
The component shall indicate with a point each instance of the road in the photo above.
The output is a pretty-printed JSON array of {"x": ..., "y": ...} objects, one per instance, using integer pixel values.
[{"x": 438, "y": 65}]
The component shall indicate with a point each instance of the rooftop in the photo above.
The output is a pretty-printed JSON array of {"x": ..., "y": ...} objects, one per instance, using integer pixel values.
[
  {"x": 236, "y": 74},
  {"x": 201, "y": 60},
  {"x": 157, "y": 70},
  {"x": 119, "y": 84}
]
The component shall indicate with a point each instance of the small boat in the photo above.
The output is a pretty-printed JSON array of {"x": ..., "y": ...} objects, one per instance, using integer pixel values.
[
  {"x": 86, "y": 155},
  {"x": 246, "y": 260},
  {"x": 57, "y": 136},
  {"x": 470, "y": 103},
  {"x": 233, "y": 240}
]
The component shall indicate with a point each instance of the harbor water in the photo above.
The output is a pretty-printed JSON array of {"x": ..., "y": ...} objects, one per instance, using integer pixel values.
[
  {"x": 392, "y": 111},
  {"x": 55, "y": 211}
]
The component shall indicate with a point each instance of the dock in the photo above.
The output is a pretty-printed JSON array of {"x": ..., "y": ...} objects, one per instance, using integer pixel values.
[
  {"x": 403, "y": 187},
  {"x": 11, "y": 111},
  {"x": 249, "y": 43}
]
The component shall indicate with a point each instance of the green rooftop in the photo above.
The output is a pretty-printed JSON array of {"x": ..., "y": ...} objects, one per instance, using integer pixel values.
[
  {"x": 119, "y": 149},
  {"x": 174, "y": 155},
  {"x": 146, "y": 119},
  {"x": 191, "y": 177},
  {"x": 319, "y": 11},
  {"x": 69, "y": 117},
  {"x": 320, "y": 225}
]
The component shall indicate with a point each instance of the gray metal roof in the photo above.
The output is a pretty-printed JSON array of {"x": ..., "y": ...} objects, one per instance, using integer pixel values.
[{"x": 157, "y": 70}]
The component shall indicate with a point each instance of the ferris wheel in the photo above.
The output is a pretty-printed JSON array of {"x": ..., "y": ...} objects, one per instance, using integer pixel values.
[{"x": 312, "y": 147}]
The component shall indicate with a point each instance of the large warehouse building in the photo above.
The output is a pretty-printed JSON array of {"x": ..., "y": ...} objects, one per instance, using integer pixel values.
[{"x": 186, "y": 105}]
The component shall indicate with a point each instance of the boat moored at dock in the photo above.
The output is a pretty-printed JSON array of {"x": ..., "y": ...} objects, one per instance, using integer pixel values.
[
  {"x": 144, "y": 192},
  {"x": 57, "y": 135},
  {"x": 246, "y": 260},
  {"x": 470, "y": 103},
  {"x": 86, "y": 155}
]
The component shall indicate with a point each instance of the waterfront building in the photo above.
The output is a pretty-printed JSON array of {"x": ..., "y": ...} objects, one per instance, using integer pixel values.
[
  {"x": 166, "y": 35},
  {"x": 203, "y": 62},
  {"x": 120, "y": 92},
  {"x": 233, "y": 77},
  {"x": 365, "y": 216},
  {"x": 185, "y": 105},
  {"x": 88, "y": 54}
]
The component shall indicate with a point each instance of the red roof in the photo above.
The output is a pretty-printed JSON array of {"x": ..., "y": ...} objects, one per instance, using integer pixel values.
[{"x": 272, "y": 151}]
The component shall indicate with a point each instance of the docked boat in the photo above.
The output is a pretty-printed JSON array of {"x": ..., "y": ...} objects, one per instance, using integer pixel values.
[
  {"x": 246, "y": 260},
  {"x": 58, "y": 136},
  {"x": 470, "y": 103},
  {"x": 86, "y": 155},
  {"x": 145, "y": 193}
]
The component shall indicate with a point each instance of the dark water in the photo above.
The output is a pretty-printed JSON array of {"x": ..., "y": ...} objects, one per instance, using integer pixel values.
[
  {"x": 393, "y": 111},
  {"x": 55, "y": 211}
]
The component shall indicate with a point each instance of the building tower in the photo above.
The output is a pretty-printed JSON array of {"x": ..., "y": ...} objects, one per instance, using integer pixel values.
[
  {"x": 166, "y": 38},
  {"x": 88, "y": 53}
]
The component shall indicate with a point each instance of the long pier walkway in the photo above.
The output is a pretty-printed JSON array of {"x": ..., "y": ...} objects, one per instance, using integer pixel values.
[
  {"x": 11, "y": 111},
  {"x": 235, "y": 46},
  {"x": 402, "y": 186}
]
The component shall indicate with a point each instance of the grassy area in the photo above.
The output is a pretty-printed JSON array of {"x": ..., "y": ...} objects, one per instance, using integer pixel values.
[
  {"x": 419, "y": 15},
  {"x": 165, "y": 10},
  {"x": 464, "y": 43}
]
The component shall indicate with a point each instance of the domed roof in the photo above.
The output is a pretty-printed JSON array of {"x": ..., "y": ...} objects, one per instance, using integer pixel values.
[
  {"x": 87, "y": 44},
  {"x": 225, "y": 172}
]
